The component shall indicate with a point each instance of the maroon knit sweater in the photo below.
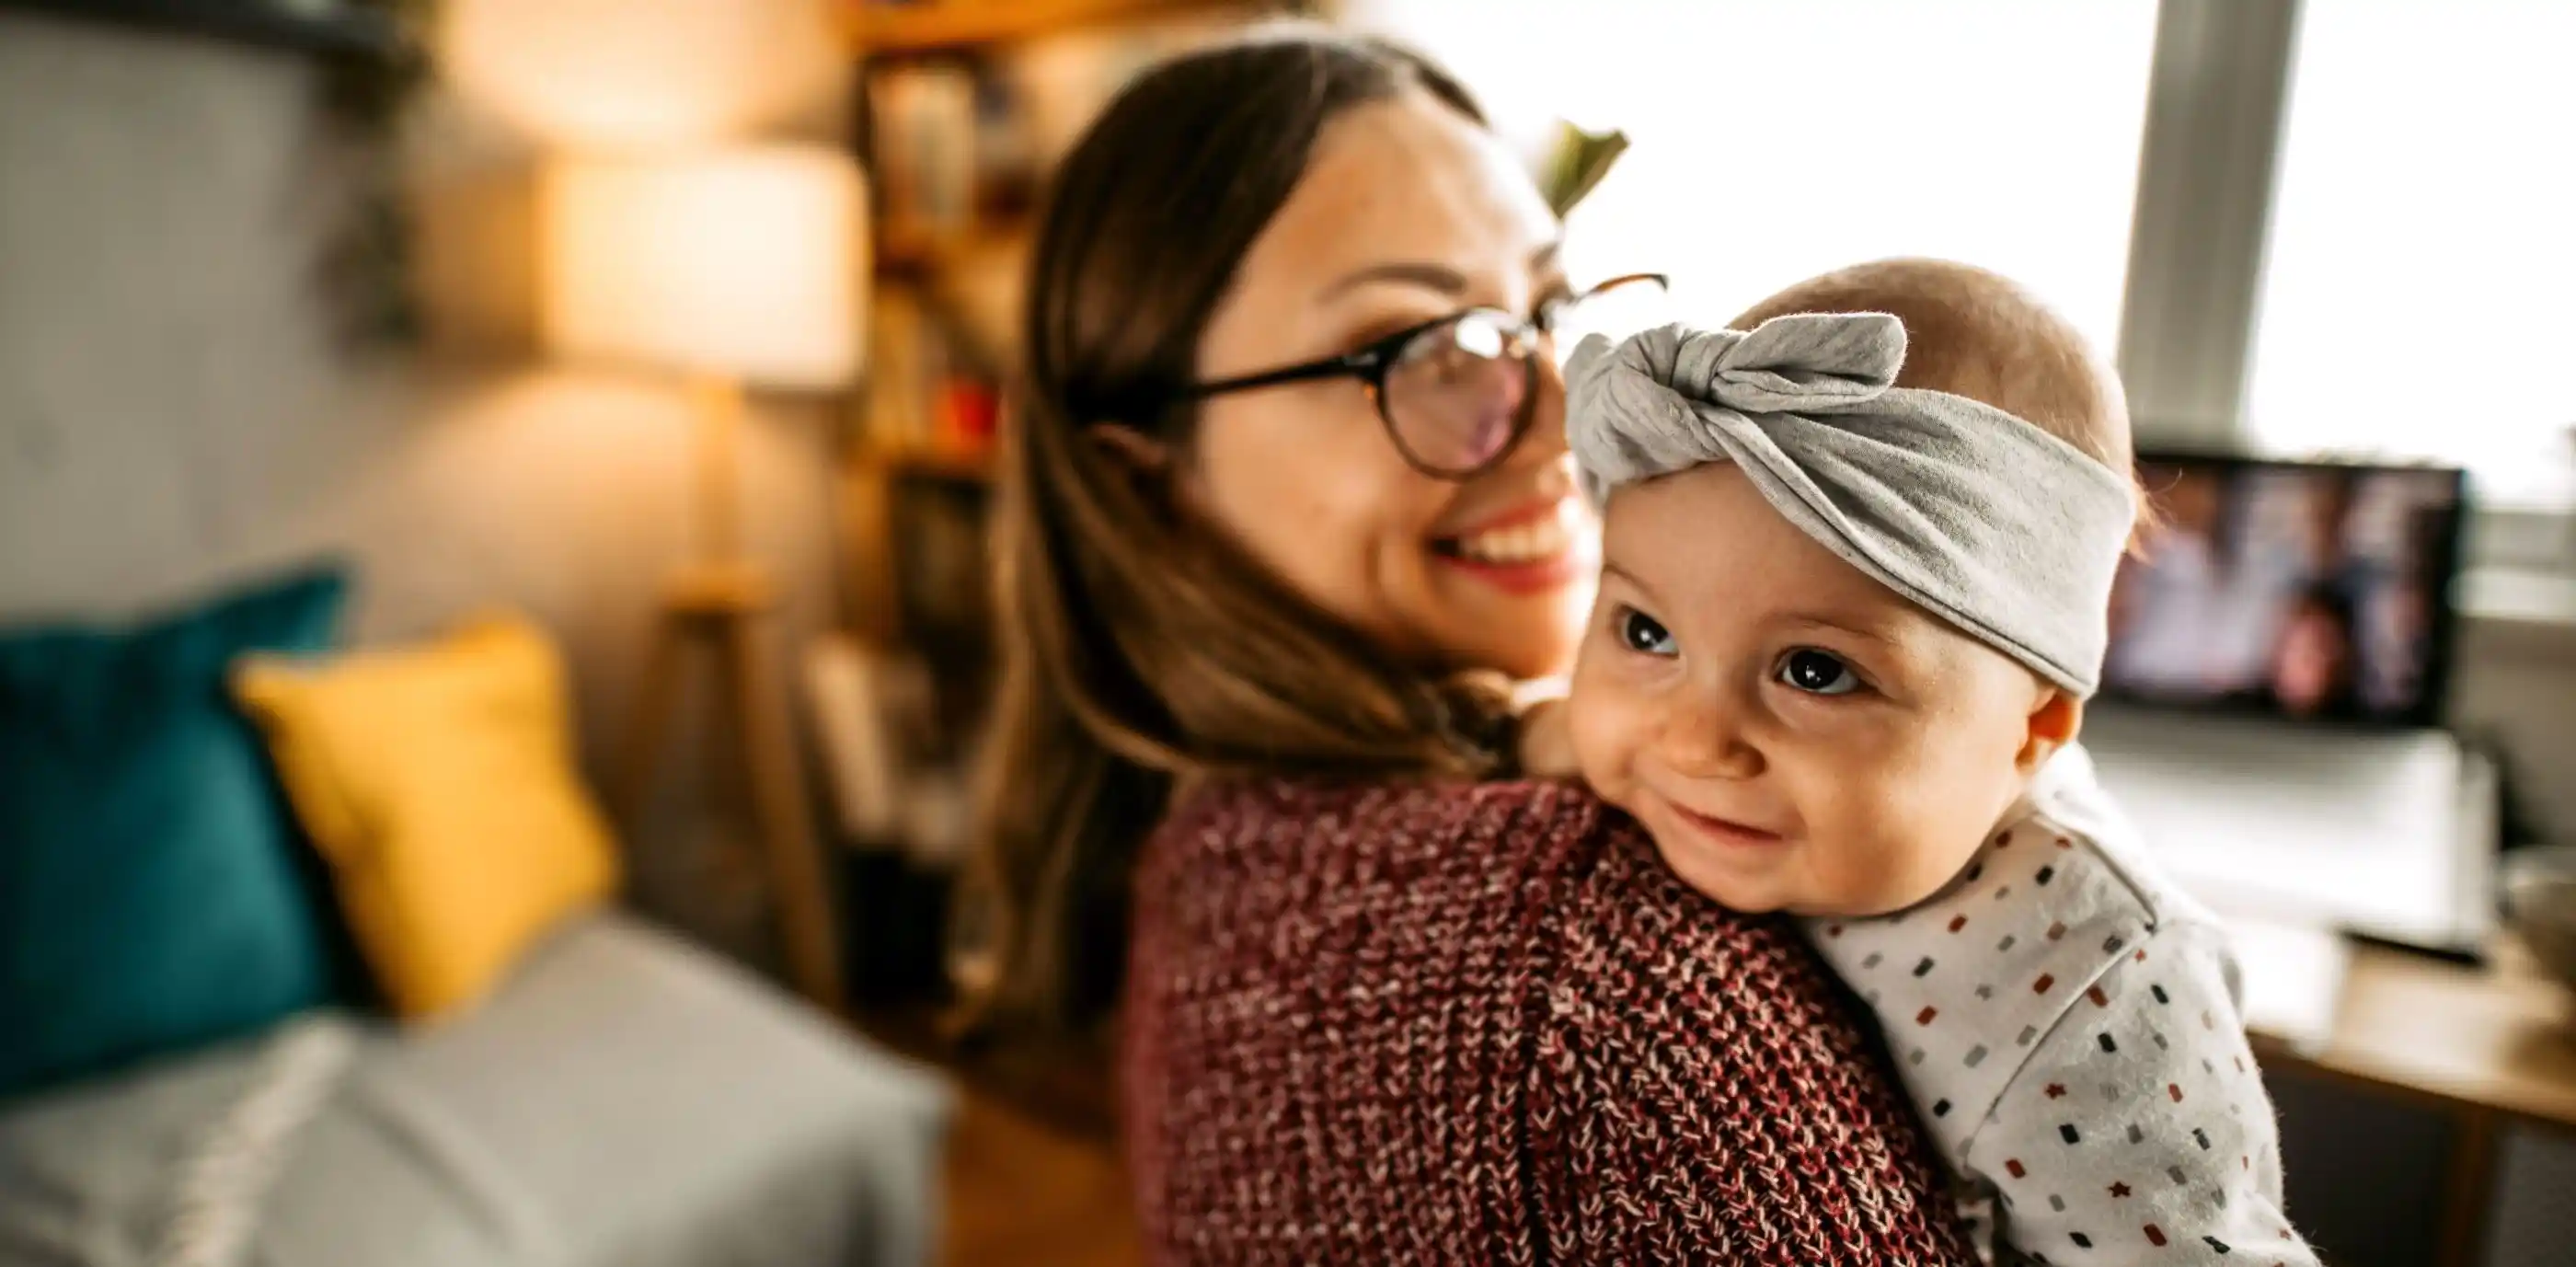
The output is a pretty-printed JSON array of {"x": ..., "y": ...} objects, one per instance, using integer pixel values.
[{"x": 1435, "y": 1024}]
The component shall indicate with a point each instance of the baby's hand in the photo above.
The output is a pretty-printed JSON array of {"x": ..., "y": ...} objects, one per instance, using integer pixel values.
[{"x": 1547, "y": 742}]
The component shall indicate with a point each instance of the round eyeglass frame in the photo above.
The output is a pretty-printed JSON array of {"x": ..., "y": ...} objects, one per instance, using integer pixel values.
[{"x": 1372, "y": 363}]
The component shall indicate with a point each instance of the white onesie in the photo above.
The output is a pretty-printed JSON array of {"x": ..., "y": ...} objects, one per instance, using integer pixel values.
[{"x": 2067, "y": 1023}]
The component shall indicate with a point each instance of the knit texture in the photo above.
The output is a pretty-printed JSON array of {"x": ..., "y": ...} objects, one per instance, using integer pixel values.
[{"x": 1449, "y": 1024}]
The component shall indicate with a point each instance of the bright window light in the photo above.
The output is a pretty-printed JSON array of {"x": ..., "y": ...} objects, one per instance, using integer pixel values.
[
  {"x": 2420, "y": 299},
  {"x": 1776, "y": 140}
]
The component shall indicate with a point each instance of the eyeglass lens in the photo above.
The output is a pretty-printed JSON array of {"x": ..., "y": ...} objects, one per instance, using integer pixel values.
[{"x": 1456, "y": 395}]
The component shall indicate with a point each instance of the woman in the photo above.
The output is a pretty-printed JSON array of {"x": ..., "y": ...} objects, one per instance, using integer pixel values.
[{"x": 1286, "y": 507}]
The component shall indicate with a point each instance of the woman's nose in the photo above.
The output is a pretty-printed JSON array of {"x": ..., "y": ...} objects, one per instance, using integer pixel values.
[{"x": 1544, "y": 442}]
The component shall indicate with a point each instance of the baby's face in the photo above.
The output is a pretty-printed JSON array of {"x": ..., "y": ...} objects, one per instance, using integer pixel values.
[{"x": 1794, "y": 734}]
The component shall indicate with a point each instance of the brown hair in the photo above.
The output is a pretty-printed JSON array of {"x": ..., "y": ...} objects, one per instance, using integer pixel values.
[{"x": 1140, "y": 648}]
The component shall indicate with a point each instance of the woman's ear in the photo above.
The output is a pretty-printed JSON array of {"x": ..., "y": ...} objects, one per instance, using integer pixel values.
[
  {"x": 1145, "y": 457},
  {"x": 1151, "y": 467},
  {"x": 2054, "y": 722}
]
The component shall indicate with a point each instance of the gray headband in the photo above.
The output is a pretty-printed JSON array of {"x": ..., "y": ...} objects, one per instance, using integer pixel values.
[{"x": 1984, "y": 520}]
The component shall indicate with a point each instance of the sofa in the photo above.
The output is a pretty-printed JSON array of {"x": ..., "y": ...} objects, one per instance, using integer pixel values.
[
  {"x": 623, "y": 1099},
  {"x": 312, "y": 955},
  {"x": 180, "y": 407}
]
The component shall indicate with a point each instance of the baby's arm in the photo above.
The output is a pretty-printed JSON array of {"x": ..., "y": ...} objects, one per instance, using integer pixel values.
[{"x": 2138, "y": 1129}]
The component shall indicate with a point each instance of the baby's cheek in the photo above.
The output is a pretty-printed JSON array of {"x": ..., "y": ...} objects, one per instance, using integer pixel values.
[
  {"x": 1888, "y": 859},
  {"x": 1869, "y": 872},
  {"x": 1927, "y": 851},
  {"x": 1604, "y": 747},
  {"x": 1937, "y": 861}
]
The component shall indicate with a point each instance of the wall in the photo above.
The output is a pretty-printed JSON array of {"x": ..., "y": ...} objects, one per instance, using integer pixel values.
[
  {"x": 173, "y": 412},
  {"x": 2515, "y": 683}
]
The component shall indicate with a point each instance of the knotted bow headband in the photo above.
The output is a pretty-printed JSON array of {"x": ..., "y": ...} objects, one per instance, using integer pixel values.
[{"x": 1986, "y": 521}]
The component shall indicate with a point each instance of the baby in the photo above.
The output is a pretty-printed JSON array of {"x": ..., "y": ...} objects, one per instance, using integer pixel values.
[{"x": 1857, "y": 568}]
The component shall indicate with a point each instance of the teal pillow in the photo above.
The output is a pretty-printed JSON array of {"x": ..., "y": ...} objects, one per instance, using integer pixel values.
[{"x": 150, "y": 895}]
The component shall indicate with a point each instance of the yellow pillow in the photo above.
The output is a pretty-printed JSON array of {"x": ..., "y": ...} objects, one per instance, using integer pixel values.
[{"x": 438, "y": 783}]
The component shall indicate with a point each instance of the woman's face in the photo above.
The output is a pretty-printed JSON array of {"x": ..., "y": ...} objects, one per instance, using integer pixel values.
[{"x": 1407, "y": 213}]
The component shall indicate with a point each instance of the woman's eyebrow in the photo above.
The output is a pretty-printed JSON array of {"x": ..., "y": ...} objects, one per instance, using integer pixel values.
[
  {"x": 1439, "y": 277},
  {"x": 1427, "y": 275}
]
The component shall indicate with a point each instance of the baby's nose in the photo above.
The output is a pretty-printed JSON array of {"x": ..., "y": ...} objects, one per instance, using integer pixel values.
[{"x": 1706, "y": 739}]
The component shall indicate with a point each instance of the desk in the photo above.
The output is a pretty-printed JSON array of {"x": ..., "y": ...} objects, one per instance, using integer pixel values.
[{"x": 2482, "y": 1045}]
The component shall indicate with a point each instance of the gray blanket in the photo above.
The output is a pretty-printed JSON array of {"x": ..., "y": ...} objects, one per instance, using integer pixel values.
[{"x": 626, "y": 1100}]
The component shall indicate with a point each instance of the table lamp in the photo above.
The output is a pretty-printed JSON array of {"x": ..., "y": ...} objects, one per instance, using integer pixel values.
[{"x": 729, "y": 267}]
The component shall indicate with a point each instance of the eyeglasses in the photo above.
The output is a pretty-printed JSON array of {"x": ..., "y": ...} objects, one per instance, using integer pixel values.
[{"x": 1456, "y": 394}]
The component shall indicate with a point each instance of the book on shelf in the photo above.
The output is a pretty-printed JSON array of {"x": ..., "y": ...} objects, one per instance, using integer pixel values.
[
  {"x": 866, "y": 703},
  {"x": 928, "y": 391},
  {"x": 893, "y": 784},
  {"x": 903, "y": 365},
  {"x": 921, "y": 149},
  {"x": 942, "y": 571},
  {"x": 958, "y": 140}
]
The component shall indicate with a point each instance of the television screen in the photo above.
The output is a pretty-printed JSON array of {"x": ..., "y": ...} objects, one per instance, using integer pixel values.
[{"x": 2299, "y": 589}]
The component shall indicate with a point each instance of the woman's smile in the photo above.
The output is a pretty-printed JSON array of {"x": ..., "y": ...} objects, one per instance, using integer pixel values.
[{"x": 1532, "y": 549}]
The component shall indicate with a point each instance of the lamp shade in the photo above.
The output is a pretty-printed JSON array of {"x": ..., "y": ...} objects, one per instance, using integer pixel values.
[
  {"x": 645, "y": 74},
  {"x": 740, "y": 262}
]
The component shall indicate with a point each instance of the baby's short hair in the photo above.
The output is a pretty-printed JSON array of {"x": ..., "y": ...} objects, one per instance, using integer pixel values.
[{"x": 1979, "y": 334}]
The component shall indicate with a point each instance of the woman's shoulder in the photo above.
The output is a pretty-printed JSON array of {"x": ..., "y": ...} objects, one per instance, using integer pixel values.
[
  {"x": 1384, "y": 817},
  {"x": 1505, "y": 978},
  {"x": 1540, "y": 877},
  {"x": 1358, "y": 843}
]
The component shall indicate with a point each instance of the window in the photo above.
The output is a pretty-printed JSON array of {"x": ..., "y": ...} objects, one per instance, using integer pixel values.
[
  {"x": 1773, "y": 141},
  {"x": 2420, "y": 295}
]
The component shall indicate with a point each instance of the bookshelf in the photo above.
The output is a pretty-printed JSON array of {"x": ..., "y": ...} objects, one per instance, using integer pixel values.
[
  {"x": 963, "y": 108},
  {"x": 927, "y": 257},
  {"x": 882, "y": 29}
]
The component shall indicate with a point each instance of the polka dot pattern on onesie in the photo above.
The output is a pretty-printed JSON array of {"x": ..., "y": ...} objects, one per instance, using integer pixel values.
[{"x": 2067, "y": 1031}]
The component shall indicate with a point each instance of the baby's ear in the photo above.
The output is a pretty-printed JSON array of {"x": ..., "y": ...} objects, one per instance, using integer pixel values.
[{"x": 2054, "y": 721}]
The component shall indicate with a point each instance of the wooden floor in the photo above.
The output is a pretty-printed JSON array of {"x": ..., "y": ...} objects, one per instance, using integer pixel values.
[{"x": 1021, "y": 1191}]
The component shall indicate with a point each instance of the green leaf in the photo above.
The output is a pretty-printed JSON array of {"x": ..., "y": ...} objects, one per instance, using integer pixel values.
[{"x": 1577, "y": 162}]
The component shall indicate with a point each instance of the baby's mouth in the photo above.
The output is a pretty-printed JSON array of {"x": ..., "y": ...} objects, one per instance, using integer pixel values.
[{"x": 1725, "y": 831}]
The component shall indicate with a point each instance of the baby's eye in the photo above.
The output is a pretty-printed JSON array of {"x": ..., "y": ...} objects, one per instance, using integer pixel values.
[
  {"x": 1642, "y": 633},
  {"x": 1817, "y": 673}
]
